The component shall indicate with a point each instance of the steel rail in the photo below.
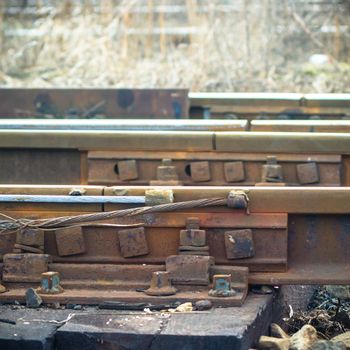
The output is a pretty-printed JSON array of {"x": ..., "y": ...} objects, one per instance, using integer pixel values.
[
  {"x": 122, "y": 124},
  {"x": 19, "y": 198}
]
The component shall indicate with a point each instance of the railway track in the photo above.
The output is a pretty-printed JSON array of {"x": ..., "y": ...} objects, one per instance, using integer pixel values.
[
  {"x": 286, "y": 235},
  {"x": 191, "y": 158},
  {"x": 164, "y": 211},
  {"x": 168, "y": 104}
]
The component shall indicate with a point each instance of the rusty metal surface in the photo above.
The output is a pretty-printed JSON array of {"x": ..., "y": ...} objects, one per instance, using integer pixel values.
[
  {"x": 27, "y": 166},
  {"x": 292, "y": 235},
  {"x": 208, "y": 158},
  {"x": 209, "y": 168},
  {"x": 89, "y": 103},
  {"x": 291, "y": 200},
  {"x": 163, "y": 103},
  {"x": 24, "y": 267}
]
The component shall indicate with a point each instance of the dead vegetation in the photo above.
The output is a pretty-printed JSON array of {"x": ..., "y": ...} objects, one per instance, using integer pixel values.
[
  {"x": 221, "y": 45},
  {"x": 323, "y": 315}
]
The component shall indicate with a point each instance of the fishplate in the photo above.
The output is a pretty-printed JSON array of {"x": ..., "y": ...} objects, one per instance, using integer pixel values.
[{"x": 216, "y": 168}]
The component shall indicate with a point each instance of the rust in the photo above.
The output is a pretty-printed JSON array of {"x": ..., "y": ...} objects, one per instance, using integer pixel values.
[
  {"x": 70, "y": 241},
  {"x": 189, "y": 269},
  {"x": 292, "y": 235},
  {"x": 89, "y": 103},
  {"x": 24, "y": 267},
  {"x": 239, "y": 244},
  {"x": 160, "y": 284},
  {"x": 133, "y": 242},
  {"x": 166, "y": 175},
  {"x": 127, "y": 170},
  {"x": 308, "y": 173},
  {"x": 271, "y": 171},
  {"x": 200, "y": 171},
  {"x": 234, "y": 171}
]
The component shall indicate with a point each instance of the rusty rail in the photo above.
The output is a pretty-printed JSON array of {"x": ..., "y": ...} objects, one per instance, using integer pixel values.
[
  {"x": 291, "y": 236},
  {"x": 131, "y": 103}
]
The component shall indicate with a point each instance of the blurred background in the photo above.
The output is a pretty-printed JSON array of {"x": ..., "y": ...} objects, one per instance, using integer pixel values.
[{"x": 203, "y": 45}]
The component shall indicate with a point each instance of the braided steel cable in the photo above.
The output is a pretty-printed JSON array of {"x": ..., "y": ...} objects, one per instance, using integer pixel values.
[{"x": 12, "y": 224}]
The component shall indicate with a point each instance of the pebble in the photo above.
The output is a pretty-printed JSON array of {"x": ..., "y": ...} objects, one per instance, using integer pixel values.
[
  {"x": 328, "y": 345},
  {"x": 33, "y": 299},
  {"x": 55, "y": 305},
  {"x": 344, "y": 338},
  {"x": 203, "y": 305},
  {"x": 304, "y": 338},
  {"x": 77, "y": 307}
]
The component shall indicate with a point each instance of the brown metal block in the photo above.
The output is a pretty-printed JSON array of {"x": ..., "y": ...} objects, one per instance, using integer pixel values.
[
  {"x": 200, "y": 171},
  {"x": 24, "y": 267},
  {"x": 70, "y": 241},
  {"x": 127, "y": 170},
  {"x": 133, "y": 242},
  {"x": 239, "y": 244},
  {"x": 189, "y": 269},
  {"x": 192, "y": 237},
  {"x": 234, "y": 171},
  {"x": 308, "y": 173},
  {"x": 30, "y": 237}
]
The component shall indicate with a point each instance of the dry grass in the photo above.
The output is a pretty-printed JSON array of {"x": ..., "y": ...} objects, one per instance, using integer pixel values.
[{"x": 255, "y": 46}]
